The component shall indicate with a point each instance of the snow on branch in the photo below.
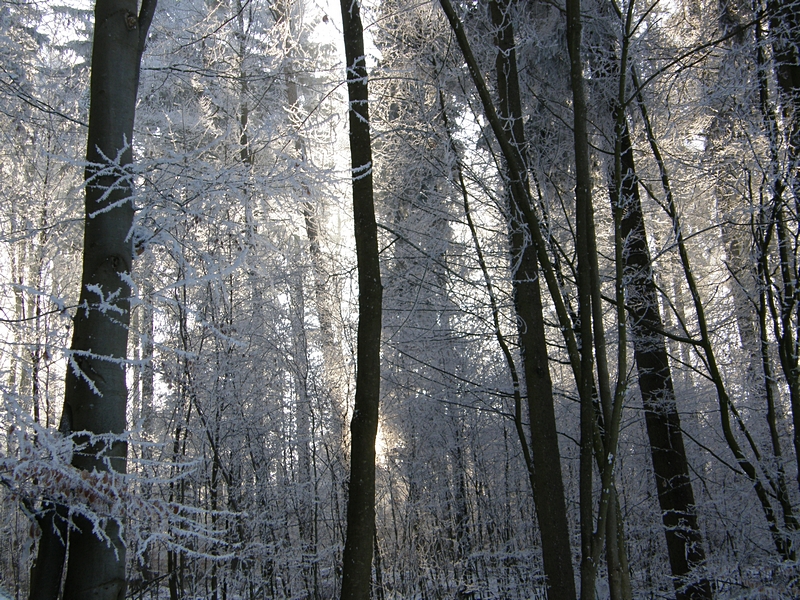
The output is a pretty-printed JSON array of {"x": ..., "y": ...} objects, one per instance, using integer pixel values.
[
  {"x": 122, "y": 174},
  {"x": 361, "y": 171},
  {"x": 35, "y": 471}
]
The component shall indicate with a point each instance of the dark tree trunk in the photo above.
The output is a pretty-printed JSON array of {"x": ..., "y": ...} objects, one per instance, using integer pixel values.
[
  {"x": 584, "y": 225},
  {"x": 785, "y": 29},
  {"x": 47, "y": 569},
  {"x": 357, "y": 557},
  {"x": 671, "y": 469},
  {"x": 546, "y": 479},
  {"x": 96, "y": 569}
]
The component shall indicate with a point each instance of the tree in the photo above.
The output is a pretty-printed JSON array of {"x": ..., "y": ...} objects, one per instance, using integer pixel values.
[
  {"x": 243, "y": 301},
  {"x": 546, "y": 479},
  {"x": 670, "y": 465},
  {"x": 96, "y": 394},
  {"x": 357, "y": 557},
  {"x": 662, "y": 420}
]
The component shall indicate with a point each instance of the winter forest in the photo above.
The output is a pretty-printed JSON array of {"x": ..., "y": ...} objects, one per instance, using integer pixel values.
[{"x": 447, "y": 299}]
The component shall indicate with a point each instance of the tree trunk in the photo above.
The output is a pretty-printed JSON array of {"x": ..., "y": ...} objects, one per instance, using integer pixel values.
[
  {"x": 546, "y": 479},
  {"x": 786, "y": 54},
  {"x": 619, "y": 576},
  {"x": 670, "y": 466},
  {"x": 583, "y": 246},
  {"x": 726, "y": 407},
  {"x": 357, "y": 557},
  {"x": 95, "y": 390}
]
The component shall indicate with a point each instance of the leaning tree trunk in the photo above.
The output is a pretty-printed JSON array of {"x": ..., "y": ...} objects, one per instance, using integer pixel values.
[
  {"x": 726, "y": 407},
  {"x": 95, "y": 391},
  {"x": 546, "y": 477},
  {"x": 670, "y": 465},
  {"x": 357, "y": 557}
]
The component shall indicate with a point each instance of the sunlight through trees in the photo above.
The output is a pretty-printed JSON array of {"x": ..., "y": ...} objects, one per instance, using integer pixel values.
[{"x": 488, "y": 300}]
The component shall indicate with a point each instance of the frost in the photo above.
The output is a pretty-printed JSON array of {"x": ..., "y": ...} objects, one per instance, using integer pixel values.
[
  {"x": 362, "y": 171},
  {"x": 39, "y": 473}
]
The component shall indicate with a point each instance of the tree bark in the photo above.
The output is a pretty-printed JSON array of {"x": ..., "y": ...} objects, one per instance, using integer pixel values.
[
  {"x": 357, "y": 557},
  {"x": 785, "y": 29},
  {"x": 546, "y": 476},
  {"x": 95, "y": 391},
  {"x": 670, "y": 466},
  {"x": 583, "y": 246}
]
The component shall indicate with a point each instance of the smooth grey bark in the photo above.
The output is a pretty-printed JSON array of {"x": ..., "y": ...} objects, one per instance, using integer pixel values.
[
  {"x": 95, "y": 391},
  {"x": 47, "y": 569},
  {"x": 358, "y": 549}
]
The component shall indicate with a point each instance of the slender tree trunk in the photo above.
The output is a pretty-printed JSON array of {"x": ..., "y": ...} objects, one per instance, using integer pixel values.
[
  {"x": 785, "y": 30},
  {"x": 583, "y": 246},
  {"x": 95, "y": 391},
  {"x": 619, "y": 576},
  {"x": 670, "y": 466},
  {"x": 581, "y": 356},
  {"x": 726, "y": 407},
  {"x": 304, "y": 412},
  {"x": 546, "y": 477},
  {"x": 357, "y": 557},
  {"x": 325, "y": 294}
]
